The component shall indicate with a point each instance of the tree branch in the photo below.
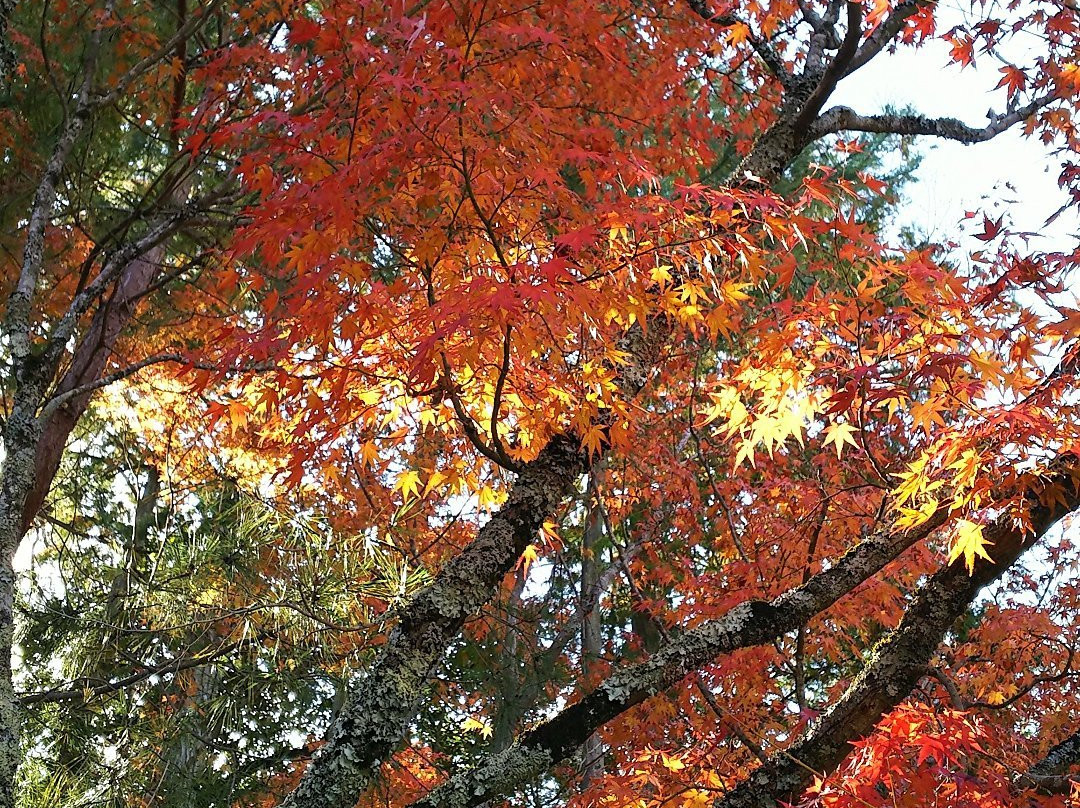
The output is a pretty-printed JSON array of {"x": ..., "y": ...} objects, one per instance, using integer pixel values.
[
  {"x": 886, "y": 32},
  {"x": 20, "y": 301},
  {"x": 845, "y": 119},
  {"x": 749, "y": 624},
  {"x": 1061, "y": 757},
  {"x": 377, "y": 709},
  {"x": 762, "y": 47},
  {"x": 60, "y": 399},
  {"x": 756, "y": 623},
  {"x": 896, "y": 663},
  {"x": 835, "y": 71},
  {"x": 164, "y": 51},
  {"x": 1048, "y": 775},
  {"x": 73, "y": 692}
]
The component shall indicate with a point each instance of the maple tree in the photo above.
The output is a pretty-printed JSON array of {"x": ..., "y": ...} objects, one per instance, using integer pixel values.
[{"x": 442, "y": 403}]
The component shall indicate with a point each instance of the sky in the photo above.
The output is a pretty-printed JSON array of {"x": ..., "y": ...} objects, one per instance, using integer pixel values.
[{"x": 955, "y": 178}]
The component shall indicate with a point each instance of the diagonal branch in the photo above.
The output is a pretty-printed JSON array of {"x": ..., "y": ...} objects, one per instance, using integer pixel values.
[
  {"x": 762, "y": 47},
  {"x": 835, "y": 71},
  {"x": 60, "y": 399},
  {"x": 750, "y": 624},
  {"x": 73, "y": 692},
  {"x": 1049, "y": 774},
  {"x": 886, "y": 32},
  {"x": 187, "y": 29},
  {"x": 17, "y": 321},
  {"x": 378, "y": 708},
  {"x": 896, "y": 663},
  {"x": 756, "y": 623}
]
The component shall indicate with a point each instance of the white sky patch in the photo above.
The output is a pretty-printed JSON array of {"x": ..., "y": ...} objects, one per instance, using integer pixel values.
[{"x": 954, "y": 177}]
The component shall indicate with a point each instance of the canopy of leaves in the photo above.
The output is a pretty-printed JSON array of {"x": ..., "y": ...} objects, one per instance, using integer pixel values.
[{"x": 543, "y": 384}]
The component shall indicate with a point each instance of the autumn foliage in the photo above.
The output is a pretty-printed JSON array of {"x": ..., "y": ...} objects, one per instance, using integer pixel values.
[{"x": 533, "y": 402}]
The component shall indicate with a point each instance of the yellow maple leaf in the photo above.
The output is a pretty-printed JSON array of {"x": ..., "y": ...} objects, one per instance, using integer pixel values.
[
  {"x": 671, "y": 763},
  {"x": 746, "y": 452},
  {"x": 408, "y": 483},
  {"x": 910, "y": 517},
  {"x": 733, "y": 292},
  {"x": 527, "y": 558},
  {"x": 697, "y": 798},
  {"x": 838, "y": 434},
  {"x": 661, "y": 274},
  {"x": 593, "y": 439},
  {"x": 471, "y": 724},
  {"x": 969, "y": 543}
]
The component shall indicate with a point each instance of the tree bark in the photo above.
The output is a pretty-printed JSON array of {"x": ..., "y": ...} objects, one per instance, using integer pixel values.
[
  {"x": 379, "y": 707},
  {"x": 592, "y": 751},
  {"x": 884, "y": 683},
  {"x": 895, "y": 666},
  {"x": 749, "y": 624}
]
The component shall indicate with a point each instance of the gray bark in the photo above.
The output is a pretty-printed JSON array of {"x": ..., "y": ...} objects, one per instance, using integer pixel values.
[
  {"x": 33, "y": 443},
  {"x": 22, "y": 430},
  {"x": 1050, "y": 775},
  {"x": 749, "y": 624},
  {"x": 845, "y": 119},
  {"x": 592, "y": 751},
  {"x": 378, "y": 709},
  {"x": 895, "y": 665},
  {"x": 21, "y": 433},
  {"x": 1057, "y": 760}
]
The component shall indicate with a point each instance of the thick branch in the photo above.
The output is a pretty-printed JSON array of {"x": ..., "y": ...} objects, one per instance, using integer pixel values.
[
  {"x": 835, "y": 71},
  {"x": 1049, "y": 774},
  {"x": 373, "y": 720},
  {"x": 762, "y": 47},
  {"x": 886, "y": 32},
  {"x": 142, "y": 249},
  {"x": 132, "y": 270},
  {"x": 895, "y": 665},
  {"x": 749, "y": 624},
  {"x": 844, "y": 119},
  {"x": 1061, "y": 757}
]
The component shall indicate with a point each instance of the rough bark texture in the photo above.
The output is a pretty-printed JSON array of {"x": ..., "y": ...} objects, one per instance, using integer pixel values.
[
  {"x": 21, "y": 433},
  {"x": 375, "y": 715},
  {"x": 1058, "y": 759},
  {"x": 592, "y": 751},
  {"x": 7, "y": 53},
  {"x": 1050, "y": 775},
  {"x": 895, "y": 665},
  {"x": 749, "y": 624}
]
